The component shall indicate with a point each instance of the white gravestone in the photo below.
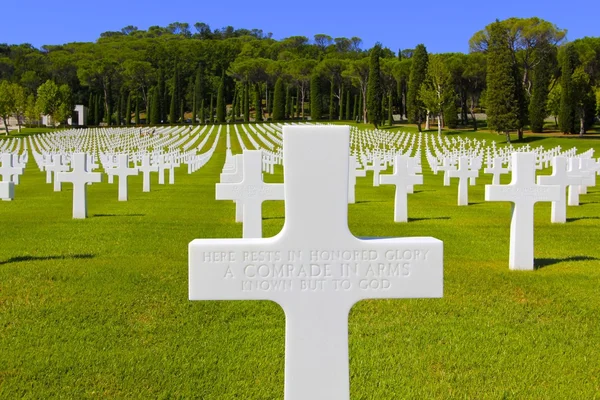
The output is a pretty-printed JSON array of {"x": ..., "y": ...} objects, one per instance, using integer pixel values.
[
  {"x": 7, "y": 170},
  {"x": 123, "y": 172},
  {"x": 250, "y": 193},
  {"x": 496, "y": 170},
  {"x": 376, "y": 167},
  {"x": 353, "y": 173},
  {"x": 315, "y": 269},
  {"x": 79, "y": 176},
  {"x": 234, "y": 176},
  {"x": 463, "y": 173},
  {"x": 7, "y": 191},
  {"x": 562, "y": 179},
  {"x": 402, "y": 178},
  {"x": 523, "y": 193},
  {"x": 146, "y": 168}
]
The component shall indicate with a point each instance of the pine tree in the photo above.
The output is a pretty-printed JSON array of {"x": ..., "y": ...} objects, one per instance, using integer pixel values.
[
  {"x": 502, "y": 102},
  {"x": 374, "y": 88},
  {"x": 128, "y": 110},
  {"x": 221, "y": 111},
  {"x": 315, "y": 98},
  {"x": 279, "y": 96},
  {"x": 541, "y": 75},
  {"x": 567, "y": 115},
  {"x": 418, "y": 73}
]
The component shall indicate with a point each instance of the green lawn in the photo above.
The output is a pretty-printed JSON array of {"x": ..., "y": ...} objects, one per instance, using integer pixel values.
[{"x": 98, "y": 308}]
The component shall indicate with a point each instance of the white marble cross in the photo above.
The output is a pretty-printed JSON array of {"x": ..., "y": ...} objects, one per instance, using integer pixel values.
[
  {"x": 376, "y": 167},
  {"x": 562, "y": 179},
  {"x": 7, "y": 170},
  {"x": 79, "y": 176},
  {"x": 447, "y": 166},
  {"x": 146, "y": 168},
  {"x": 234, "y": 175},
  {"x": 7, "y": 191},
  {"x": 250, "y": 193},
  {"x": 496, "y": 170},
  {"x": 402, "y": 178},
  {"x": 463, "y": 173},
  {"x": 523, "y": 193},
  {"x": 315, "y": 269},
  {"x": 123, "y": 172},
  {"x": 353, "y": 173}
]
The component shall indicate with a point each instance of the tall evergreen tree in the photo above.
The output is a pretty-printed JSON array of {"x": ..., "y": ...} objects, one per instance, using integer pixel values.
[
  {"x": 120, "y": 109},
  {"x": 128, "y": 110},
  {"x": 137, "y": 109},
  {"x": 202, "y": 114},
  {"x": 97, "y": 115},
  {"x": 331, "y": 106},
  {"x": 567, "y": 115},
  {"x": 246, "y": 110},
  {"x": 108, "y": 116},
  {"x": 221, "y": 112},
  {"x": 173, "y": 107},
  {"x": 288, "y": 102},
  {"x": 155, "y": 114},
  {"x": 198, "y": 92},
  {"x": 374, "y": 88},
  {"x": 418, "y": 73},
  {"x": 315, "y": 98},
  {"x": 91, "y": 110},
  {"x": 279, "y": 101},
  {"x": 502, "y": 102},
  {"x": 162, "y": 96},
  {"x": 541, "y": 75},
  {"x": 211, "y": 111},
  {"x": 258, "y": 117}
]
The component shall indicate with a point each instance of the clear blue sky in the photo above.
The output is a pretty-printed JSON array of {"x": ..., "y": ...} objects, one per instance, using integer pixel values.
[{"x": 443, "y": 26}]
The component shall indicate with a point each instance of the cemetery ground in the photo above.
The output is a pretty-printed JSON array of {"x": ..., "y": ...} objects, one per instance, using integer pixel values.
[{"x": 98, "y": 308}]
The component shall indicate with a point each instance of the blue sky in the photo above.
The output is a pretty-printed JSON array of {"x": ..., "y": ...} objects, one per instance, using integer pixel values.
[{"x": 443, "y": 26}]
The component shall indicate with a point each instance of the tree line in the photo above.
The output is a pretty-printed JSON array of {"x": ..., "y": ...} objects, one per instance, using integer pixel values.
[{"x": 518, "y": 71}]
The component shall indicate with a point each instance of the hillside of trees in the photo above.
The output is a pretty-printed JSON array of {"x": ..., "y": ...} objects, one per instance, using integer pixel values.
[{"x": 518, "y": 71}]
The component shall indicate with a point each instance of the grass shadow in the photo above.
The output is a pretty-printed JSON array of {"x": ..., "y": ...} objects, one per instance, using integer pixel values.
[
  {"x": 266, "y": 218},
  {"x": 46, "y": 258},
  {"x": 119, "y": 215},
  {"x": 475, "y": 203},
  {"x": 424, "y": 190},
  {"x": 580, "y": 218},
  {"x": 426, "y": 219},
  {"x": 369, "y": 201},
  {"x": 540, "y": 263}
]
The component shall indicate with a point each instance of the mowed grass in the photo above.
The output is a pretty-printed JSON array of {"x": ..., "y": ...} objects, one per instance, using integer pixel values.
[{"x": 98, "y": 308}]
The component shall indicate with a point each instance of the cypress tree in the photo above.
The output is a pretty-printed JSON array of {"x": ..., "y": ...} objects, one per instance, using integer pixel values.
[
  {"x": 155, "y": 114},
  {"x": 194, "y": 107},
  {"x": 202, "y": 115},
  {"x": 389, "y": 108},
  {"x": 120, "y": 109},
  {"x": 347, "y": 105},
  {"x": 359, "y": 111},
  {"x": 257, "y": 104},
  {"x": 279, "y": 98},
  {"x": 108, "y": 116},
  {"x": 182, "y": 111},
  {"x": 502, "y": 102},
  {"x": 450, "y": 113},
  {"x": 297, "y": 114},
  {"x": 91, "y": 110},
  {"x": 221, "y": 112},
  {"x": 374, "y": 88},
  {"x": 212, "y": 110},
  {"x": 288, "y": 102},
  {"x": 418, "y": 73},
  {"x": 198, "y": 89},
  {"x": 162, "y": 96},
  {"x": 246, "y": 110},
  {"x": 566, "y": 117},
  {"x": 541, "y": 75},
  {"x": 137, "y": 110},
  {"x": 128, "y": 110},
  {"x": 315, "y": 98},
  {"x": 97, "y": 111},
  {"x": 173, "y": 108},
  {"x": 330, "y": 112},
  {"x": 270, "y": 104},
  {"x": 355, "y": 108},
  {"x": 341, "y": 101}
]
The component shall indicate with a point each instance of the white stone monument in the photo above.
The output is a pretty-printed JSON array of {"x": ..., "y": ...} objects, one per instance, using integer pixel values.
[
  {"x": 353, "y": 173},
  {"x": 7, "y": 191},
  {"x": 146, "y": 168},
  {"x": 123, "y": 172},
  {"x": 79, "y": 176},
  {"x": 376, "y": 167},
  {"x": 523, "y": 192},
  {"x": 463, "y": 173},
  {"x": 250, "y": 193},
  {"x": 315, "y": 269},
  {"x": 402, "y": 179},
  {"x": 561, "y": 178}
]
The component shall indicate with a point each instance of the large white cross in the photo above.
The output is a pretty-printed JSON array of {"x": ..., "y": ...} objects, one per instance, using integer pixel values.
[
  {"x": 146, "y": 168},
  {"x": 402, "y": 178},
  {"x": 496, "y": 170},
  {"x": 79, "y": 176},
  {"x": 523, "y": 193},
  {"x": 123, "y": 172},
  {"x": 250, "y": 193},
  {"x": 315, "y": 269},
  {"x": 562, "y": 179},
  {"x": 463, "y": 173},
  {"x": 235, "y": 175}
]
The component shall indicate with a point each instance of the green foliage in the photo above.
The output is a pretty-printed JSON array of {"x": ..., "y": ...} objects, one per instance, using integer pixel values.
[
  {"x": 502, "y": 102},
  {"x": 316, "y": 110},
  {"x": 137, "y": 109},
  {"x": 155, "y": 108},
  {"x": 374, "y": 89},
  {"x": 258, "y": 115},
  {"x": 418, "y": 74},
  {"x": 221, "y": 112},
  {"x": 55, "y": 101},
  {"x": 279, "y": 101},
  {"x": 437, "y": 91},
  {"x": 128, "y": 110},
  {"x": 542, "y": 75},
  {"x": 567, "y": 115}
]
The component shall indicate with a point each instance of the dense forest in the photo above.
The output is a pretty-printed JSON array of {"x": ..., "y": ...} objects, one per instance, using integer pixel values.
[{"x": 518, "y": 72}]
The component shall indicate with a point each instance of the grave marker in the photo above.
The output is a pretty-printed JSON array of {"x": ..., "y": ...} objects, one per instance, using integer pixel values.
[
  {"x": 463, "y": 173},
  {"x": 315, "y": 268},
  {"x": 402, "y": 179},
  {"x": 123, "y": 172},
  {"x": 79, "y": 177}
]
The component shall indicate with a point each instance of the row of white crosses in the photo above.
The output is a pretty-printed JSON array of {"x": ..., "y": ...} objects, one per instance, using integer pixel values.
[{"x": 10, "y": 170}]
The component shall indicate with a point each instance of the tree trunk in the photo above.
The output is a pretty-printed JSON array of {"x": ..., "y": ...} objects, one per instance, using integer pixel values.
[
  {"x": 5, "y": 124},
  {"x": 426, "y": 122},
  {"x": 581, "y": 125},
  {"x": 439, "y": 119},
  {"x": 507, "y": 133},
  {"x": 520, "y": 133}
]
